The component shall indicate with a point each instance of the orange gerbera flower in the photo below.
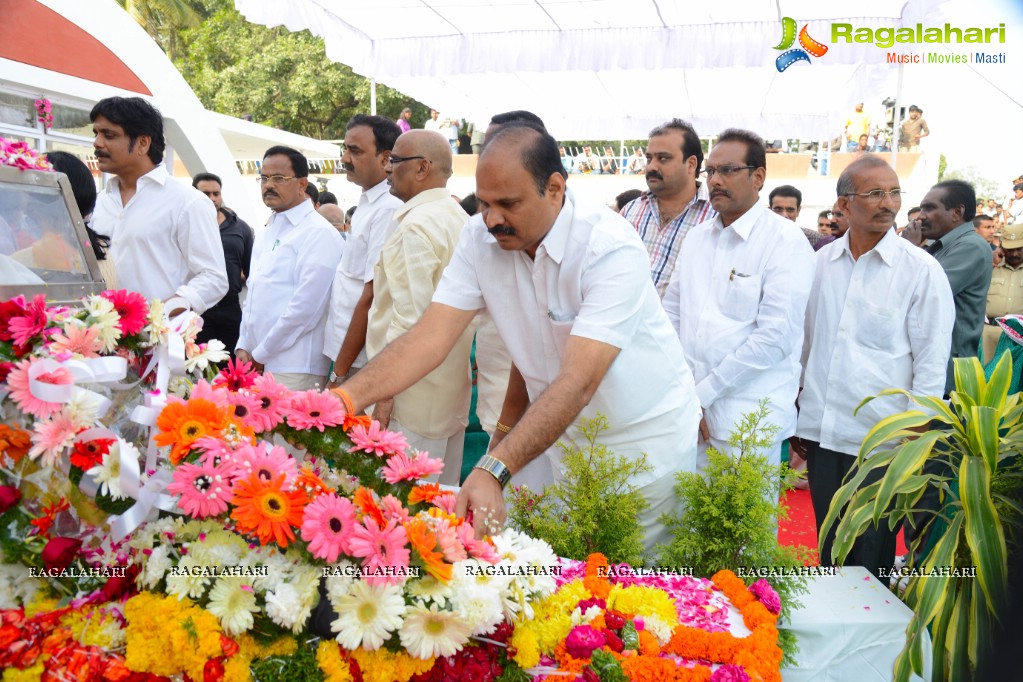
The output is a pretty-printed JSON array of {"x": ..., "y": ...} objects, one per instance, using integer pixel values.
[
  {"x": 353, "y": 420},
  {"x": 424, "y": 542},
  {"x": 14, "y": 442},
  {"x": 311, "y": 485},
  {"x": 363, "y": 499},
  {"x": 182, "y": 423},
  {"x": 267, "y": 509},
  {"x": 426, "y": 492}
]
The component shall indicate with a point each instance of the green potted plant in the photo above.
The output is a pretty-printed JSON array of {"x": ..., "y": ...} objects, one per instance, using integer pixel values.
[{"x": 978, "y": 437}]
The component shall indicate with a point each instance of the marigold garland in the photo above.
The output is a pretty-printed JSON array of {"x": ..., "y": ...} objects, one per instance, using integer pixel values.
[
  {"x": 596, "y": 582},
  {"x": 332, "y": 663}
]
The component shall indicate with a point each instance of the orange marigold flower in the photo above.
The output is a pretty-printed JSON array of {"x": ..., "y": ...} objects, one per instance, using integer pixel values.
[
  {"x": 424, "y": 542},
  {"x": 647, "y": 669},
  {"x": 648, "y": 645},
  {"x": 755, "y": 613},
  {"x": 182, "y": 423},
  {"x": 14, "y": 442},
  {"x": 267, "y": 509},
  {"x": 567, "y": 662},
  {"x": 363, "y": 499},
  {"x": 595, "y": 581}
]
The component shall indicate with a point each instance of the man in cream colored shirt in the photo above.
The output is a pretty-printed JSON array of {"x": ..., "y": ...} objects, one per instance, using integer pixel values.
[
  {"x": 164, "y": 239},
  {"x": 881, "y": 317},
  {"x": 293, "y": 263},
  {"x": 737, "y": 298},
  {"x": 433, "y": 412}
]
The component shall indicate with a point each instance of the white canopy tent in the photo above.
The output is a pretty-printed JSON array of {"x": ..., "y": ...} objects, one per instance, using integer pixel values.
[{"x": 610, "y": 69}]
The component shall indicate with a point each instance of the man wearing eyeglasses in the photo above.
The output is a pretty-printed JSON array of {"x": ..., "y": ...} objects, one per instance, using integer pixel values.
[
  {"x": 737, "y": 299},
  {"x": 881, "y": 318},
  {"x": 433, "y": 412},
  {"x": 293, "y": 264},
  {"x": 368, "y": 144}
]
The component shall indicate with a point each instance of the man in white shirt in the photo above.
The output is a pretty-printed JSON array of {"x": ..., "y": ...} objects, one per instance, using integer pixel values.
[
  {"x": 434, "y": 122},
  {"x": 368, "y": 144},
  {"x": 164, "y": 239},
  {"x": 737, "y": 298},
  {"x": 568, "y": 287},
  {"x": 881, "y": 318},
  {"x": 293, "y": 263},
  {"x": 433, "y": 412}
]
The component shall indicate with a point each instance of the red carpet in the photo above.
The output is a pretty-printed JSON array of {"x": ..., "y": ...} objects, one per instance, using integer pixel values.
[{"x": 800, "y": 528}]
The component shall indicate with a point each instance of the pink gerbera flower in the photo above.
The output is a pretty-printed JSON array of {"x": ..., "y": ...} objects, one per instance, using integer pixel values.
[
  {"x": 52, "y": 437},
  {"x": 401, "y": 467},
  {"x": 445, "y": 502},
  {"x": 31, "y": 323},
  {"x": 477, "y": 549},
  {"x": 449, "y": 541},
  {"x": 273, "y": 400},
  {"x": 327, "y": 524},
  {"x": 380, "y": 548},
  {"x": 376, "y": 440},
  {"x": 216, "y": 395},
  {"x": 245, "y": 407},
  {"x": 18, "y": 385},
  {"x": 203, "y": 489},
  {"x": 132, "y": 308},
  {"x": 266, "y": 463},
  {"x": 77, "y": 340},
  {"x": 392, "y": 508},
  {"x": 314, "y": 410},
  {"x": 236, "y": 376}
]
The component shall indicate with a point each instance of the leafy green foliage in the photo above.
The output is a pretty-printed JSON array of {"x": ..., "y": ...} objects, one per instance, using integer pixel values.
[
  {"x": 282, "y": 79},
  {"x": 728, "y": 515},
  {"x": 978, "y": 440},
  {"x": 593, "y": 509},
  {"x": 607, "y": 667},
  {"x": 300, "y": 666}
]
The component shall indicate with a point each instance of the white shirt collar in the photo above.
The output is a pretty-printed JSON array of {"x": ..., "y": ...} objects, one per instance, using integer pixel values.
[
  {"x": 158, "y": 175},
  {"x": 743, "y": 225}
]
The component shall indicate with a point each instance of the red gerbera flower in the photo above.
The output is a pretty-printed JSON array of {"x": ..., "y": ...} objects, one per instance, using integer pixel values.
[
  {"x": 132, "y": 307},
  {"x": 31, "y": 322},
  {"x": 89, "y": 453},
  {"x": 236, "y": 376}
]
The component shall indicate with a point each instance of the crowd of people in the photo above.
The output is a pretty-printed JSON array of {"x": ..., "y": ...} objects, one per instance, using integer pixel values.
[{"x": 673, "y": 317}]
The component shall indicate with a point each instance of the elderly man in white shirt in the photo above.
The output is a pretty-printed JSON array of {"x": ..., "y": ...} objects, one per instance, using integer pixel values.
[
  {"x": 433, "y": 412},
  {"x": 293, "y": 263},
  {"x": 164, "y": 238},
  {"x": 569, "y": 290},
  {"x": 881, "y": 318},
  {"x": 737, "y": 298},
  {"x": 368, "y": 144}
]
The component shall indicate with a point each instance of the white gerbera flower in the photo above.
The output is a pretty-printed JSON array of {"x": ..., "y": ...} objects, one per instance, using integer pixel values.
[
  {"x": 480, "y": 607},
  {"x": 429, "y": 632},
  {"x": 103, "y": 316},
  {"x": 108, "y": 473},
  {"x": 214, "y": 352},
  {"x": 428, "y": 589},
  {"x": 233, "y": 601},
  {"x": 367, "y": 615},
  {"x": 182, "y": 583},
  {"x": 82, "y": 409}
]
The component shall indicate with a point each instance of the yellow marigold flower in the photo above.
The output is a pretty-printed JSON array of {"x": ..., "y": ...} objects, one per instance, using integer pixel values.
[
  {"x": 40, "y": 604},
  {"x": 385, "y": 666},
  {"x": 527, "y": 652},
  {"x": 169, "y": 637},
  {"x": 33, "y": 674},
  {"x": 328, "y": 657}
]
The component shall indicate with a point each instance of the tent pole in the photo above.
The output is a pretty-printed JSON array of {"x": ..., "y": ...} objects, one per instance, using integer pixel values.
[
  {"x": 373, "y": 96},
  {"x": 896, "y": 121}
]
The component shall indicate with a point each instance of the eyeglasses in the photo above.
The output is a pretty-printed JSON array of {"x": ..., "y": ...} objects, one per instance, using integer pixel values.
[
  {"x": 878, "y": 195},
  {"x": 395, "y": 160},
  {"x": 274, "y": 179},
  {"x": 725, "y": 171}
]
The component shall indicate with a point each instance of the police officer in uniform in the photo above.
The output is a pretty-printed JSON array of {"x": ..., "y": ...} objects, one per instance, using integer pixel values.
[{"x": 1005, "y": 297}]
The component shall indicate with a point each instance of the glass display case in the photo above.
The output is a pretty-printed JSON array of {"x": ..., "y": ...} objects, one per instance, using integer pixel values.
[{"x": 44, "y": 248}]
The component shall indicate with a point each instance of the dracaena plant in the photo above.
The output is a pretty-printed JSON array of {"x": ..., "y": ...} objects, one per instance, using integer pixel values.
[{"x": 979, "y": 436}]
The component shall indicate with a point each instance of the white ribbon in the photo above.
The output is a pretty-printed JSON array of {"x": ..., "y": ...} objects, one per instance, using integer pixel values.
[
  {"x": 149, "y": 498},
  {"x": 108, "y": 370}
]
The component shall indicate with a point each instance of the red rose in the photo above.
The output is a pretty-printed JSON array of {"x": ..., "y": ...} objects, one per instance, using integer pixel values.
[
  {"x": 614, "y": 641},
  {"x": 9, "y": 497},
  {"x": 60, "y": 552},
  {"x": 614, "y": 619},
  {"x": 213, "y": 671},
  {"x": 117, "y": 586}
]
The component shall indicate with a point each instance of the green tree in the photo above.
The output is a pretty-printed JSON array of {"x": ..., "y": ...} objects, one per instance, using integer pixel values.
[
  {"x": 165, "y": 19},
  {"x": 985, "y": 187}
]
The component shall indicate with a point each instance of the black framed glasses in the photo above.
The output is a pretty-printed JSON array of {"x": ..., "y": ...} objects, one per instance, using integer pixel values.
[
  {"x": 724, "y": 171},
  {"x": 395, "y": 160}
]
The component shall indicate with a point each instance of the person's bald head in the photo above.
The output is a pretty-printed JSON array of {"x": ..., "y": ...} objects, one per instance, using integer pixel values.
[
  {"x": 334, "y": 215},
  {"x": 421, "y": 160}
]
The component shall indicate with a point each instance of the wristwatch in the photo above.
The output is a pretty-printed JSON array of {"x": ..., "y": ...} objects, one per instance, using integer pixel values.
[
  {"x": 333, "y": 378},
  {"x": 495, "y": 468}
]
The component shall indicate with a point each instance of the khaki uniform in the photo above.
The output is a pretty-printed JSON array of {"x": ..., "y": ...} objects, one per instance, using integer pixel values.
[{"x": 1005, "y": 297}]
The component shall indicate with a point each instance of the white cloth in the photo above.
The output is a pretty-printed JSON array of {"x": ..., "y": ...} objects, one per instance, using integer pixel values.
[
  {"x": 590, "y": 278},
  {"x": 293, "y": 263},
  {"x": 165, "y": 241},
  {"x": 405, "y": 277},
  {"x": 372, "y": 224},
  {"x": 882, "y": 321},
  {"x": 435, "y": 124},
  {"x": 493, "y": 367},
  {"x": 449, "y": 450},
  {"x": 737, "y": 298}
]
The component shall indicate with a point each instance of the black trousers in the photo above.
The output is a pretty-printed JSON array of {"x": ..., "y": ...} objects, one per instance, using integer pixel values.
[
  {"x": 222, "y": 322},
  {"x": 825, "y": 471}
]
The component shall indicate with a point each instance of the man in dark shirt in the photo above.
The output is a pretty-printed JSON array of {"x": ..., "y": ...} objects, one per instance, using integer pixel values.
[{"x": 223, "y": 320}]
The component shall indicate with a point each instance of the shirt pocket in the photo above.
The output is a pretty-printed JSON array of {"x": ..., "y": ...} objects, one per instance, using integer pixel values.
[
  {"x": 560, "y": 331},
  {"x": 877, "y": 327},
  {"x": 741, "y": 299}
]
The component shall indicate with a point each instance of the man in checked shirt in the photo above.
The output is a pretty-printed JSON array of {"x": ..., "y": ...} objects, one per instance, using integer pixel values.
[{"x": 676, "y": 202}]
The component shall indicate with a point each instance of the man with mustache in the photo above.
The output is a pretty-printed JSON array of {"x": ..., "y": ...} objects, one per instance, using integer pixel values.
[
  {"x": 946, "y": 218},
  {"x": 164, "y": 236},
  {"x": 676, "y": 201},
  {"x": 433, "y": 412},
  {"x": 881, "y": 318},
  {"x": 293, "y": 263},
  {"x": 567, "y": 287},
  {"x": 737, "y": 299},
  {"x": 368, "y": 144}
]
